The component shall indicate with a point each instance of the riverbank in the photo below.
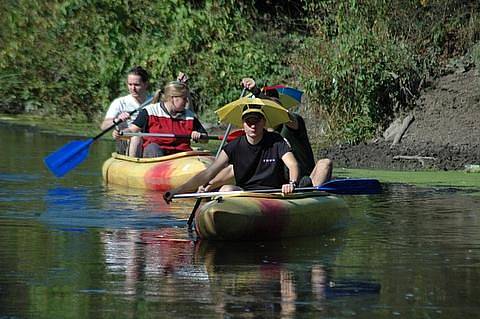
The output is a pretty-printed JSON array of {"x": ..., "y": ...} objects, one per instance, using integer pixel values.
[
  {"x": 451, "y": 180},
  {"x": 54, "y": 126},
  {"x": 444, "y": 132}
]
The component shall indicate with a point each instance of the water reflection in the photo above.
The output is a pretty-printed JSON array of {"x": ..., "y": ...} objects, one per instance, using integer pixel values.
[
  {"x": 153, "y": 201},
  {"x": 76, "y": 248},
  {"x": 81, "y": 208},
  {"x": 234, "y": 278}
]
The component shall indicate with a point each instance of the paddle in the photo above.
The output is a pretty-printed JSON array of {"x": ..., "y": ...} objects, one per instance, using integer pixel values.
[
  {"x": 230, "y": 137},
  {"x": 359, "y": 186},
  {"x": 199, "y": 199},
  {"x": 72, "y": 154}
]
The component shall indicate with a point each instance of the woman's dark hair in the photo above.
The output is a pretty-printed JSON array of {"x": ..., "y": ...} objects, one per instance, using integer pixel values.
[{"x": 141, "y": 72}]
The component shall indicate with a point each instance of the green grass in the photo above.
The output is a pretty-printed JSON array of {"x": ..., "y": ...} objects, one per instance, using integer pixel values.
[{"x": 443, "y": 179}]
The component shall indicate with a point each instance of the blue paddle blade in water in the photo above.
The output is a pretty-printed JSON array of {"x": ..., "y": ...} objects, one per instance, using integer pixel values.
[
  {"x": 351, "y": 288},
  {"x": 67, "y": 157},
  {"x": 352, "y": 186}
]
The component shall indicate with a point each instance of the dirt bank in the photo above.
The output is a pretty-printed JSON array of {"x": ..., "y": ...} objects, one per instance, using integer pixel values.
[{"x": 444, "y": 134}]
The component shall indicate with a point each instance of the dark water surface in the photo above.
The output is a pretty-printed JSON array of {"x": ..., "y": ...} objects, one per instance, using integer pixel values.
[{"x": 74, "y": 248}]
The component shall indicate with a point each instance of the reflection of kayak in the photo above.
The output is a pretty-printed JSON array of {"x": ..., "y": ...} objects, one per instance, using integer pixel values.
[
  {"x": 160, "y": 173},
  {"x": 254, "y": 216},
  {"x": 283, "y": 251}
]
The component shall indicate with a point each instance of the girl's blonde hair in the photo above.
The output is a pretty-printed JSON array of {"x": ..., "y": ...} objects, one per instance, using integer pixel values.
[{"x": 174, "y": 88}]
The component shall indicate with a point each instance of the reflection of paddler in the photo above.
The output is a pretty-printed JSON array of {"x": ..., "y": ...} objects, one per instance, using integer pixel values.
[
  {"x": 260, "y": 271},
  {"x": 164, "y": 253},
  {"x": 120, "y": 253},
  {"x": 266, "y": 258},
  {"x": 263, "y": 271}
]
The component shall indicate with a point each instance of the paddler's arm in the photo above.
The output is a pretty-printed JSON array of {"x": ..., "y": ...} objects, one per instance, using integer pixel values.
[
  {"x": 201, "y": 178},
  {"x": 136, "y": 126},
  {"x": 226, "y": 176},
  {"x": 293, "y": 172},
  {"x": 198, "y": 132},
  {"x": 131, "y": 129},
  {"x": 122, "y": 117}
]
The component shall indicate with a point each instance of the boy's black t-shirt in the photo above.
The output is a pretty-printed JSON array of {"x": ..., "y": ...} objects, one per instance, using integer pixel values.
[{"x": 258, "y": 166}]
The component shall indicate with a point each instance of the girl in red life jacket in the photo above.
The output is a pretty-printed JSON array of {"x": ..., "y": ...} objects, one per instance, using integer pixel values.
[{"x": 167, "y": 115}]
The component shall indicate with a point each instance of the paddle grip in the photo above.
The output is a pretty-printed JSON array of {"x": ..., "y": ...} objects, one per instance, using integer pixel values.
[{"x": 147, "y": 101}]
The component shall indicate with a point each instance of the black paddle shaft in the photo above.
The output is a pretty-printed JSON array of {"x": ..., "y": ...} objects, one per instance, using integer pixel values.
[{"x": 115, "y": 123}]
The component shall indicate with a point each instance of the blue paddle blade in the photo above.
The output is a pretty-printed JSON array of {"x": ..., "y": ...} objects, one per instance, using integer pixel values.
[
  {"x": 294, "y": 93},
  {"x": 351, "y": 288},
  {"x": 67, "y": 157},
  {"x": 352, "y": 186}
]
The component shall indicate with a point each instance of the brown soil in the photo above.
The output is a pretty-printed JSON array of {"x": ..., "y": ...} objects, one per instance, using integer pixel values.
[{"x": 445, "y": 132}]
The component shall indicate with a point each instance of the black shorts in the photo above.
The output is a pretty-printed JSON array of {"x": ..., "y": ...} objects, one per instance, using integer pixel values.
[
  {"x": 121, "y": 146},
  {"x": 305, "y": 181}
]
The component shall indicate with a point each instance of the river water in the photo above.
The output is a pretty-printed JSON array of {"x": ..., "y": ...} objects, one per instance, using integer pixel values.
[{"x": 75, "y": 248}]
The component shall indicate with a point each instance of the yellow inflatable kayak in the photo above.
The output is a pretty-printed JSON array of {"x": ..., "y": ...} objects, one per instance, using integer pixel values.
[
  {"x": 159, "y": 173},
  {"x": 254, "y": 216}
]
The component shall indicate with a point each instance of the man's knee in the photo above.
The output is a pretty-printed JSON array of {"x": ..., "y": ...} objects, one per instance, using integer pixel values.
[
  {"x": 135, "y": 146},
  {"x": 230, "y": 188},
  {"x": 322, "y": 171},
  {"x": 325, "y": 163},
  {"x": 121, "y": 147},
  {"x": 305, "y": 181}
]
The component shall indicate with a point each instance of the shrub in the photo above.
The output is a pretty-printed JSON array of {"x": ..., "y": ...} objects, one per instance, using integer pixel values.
[
  {"x": 353, "y": 73},
  {"x": 70, "y": 57}
]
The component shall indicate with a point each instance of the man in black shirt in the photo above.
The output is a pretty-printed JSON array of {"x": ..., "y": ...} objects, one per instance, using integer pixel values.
[
  {"x": 295, "y": 131},
  {"x": 258, "y": 159}
]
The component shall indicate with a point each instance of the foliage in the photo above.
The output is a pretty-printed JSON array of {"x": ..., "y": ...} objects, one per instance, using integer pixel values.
[
  {"x": 366, "y": 60},
  {"x": 476, "y": 54},
  {"x": 23, "y": 52},
  {"x": 75, "y": 62},
  {"x": 359, "y": 61},
  {"x": 353, "y": 71}
]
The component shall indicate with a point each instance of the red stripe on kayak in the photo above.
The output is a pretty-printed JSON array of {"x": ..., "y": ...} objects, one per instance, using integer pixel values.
[
  {"x": 275, "y": 215},
  {"x": 158, "y": 178}
]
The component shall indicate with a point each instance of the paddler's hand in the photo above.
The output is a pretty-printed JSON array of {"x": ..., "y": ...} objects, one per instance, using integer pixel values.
[
  {"x": 182, "y": 77},
  {"x": 122, "y": 117},
  {"x": 204, "y": 188},
  {"x": 288, "y": 188},
  {"x": 248, "y": 83},
  {"x": 196, "y": 136},
  {"x": 168, "y": 196},
  {"x": 117, "y": 134}
]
